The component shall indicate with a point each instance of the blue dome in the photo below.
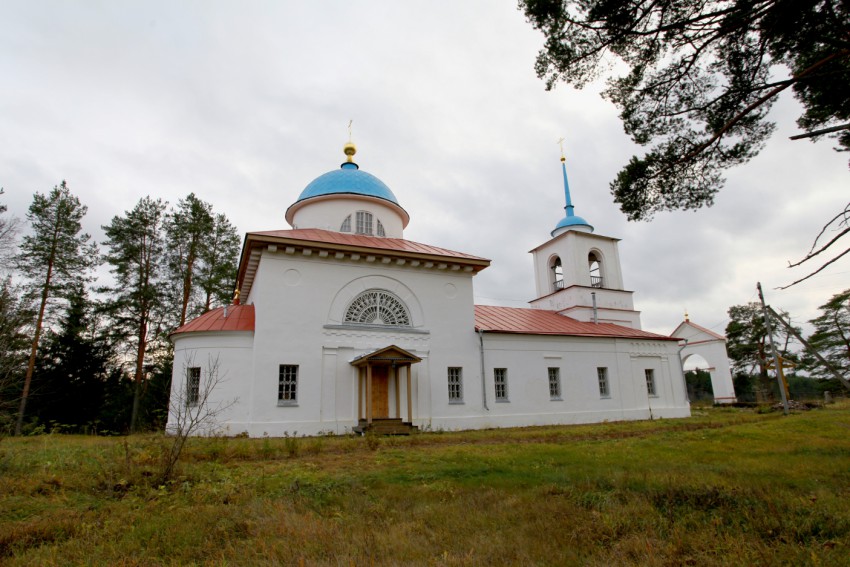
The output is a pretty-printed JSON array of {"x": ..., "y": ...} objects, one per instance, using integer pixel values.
[
  {"x": 571, "y": 221},
  {"x": 348, "y": 180}
]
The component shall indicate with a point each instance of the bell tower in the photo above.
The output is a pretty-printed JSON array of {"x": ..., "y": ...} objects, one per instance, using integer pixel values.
[{"x": 577, "y": 272}]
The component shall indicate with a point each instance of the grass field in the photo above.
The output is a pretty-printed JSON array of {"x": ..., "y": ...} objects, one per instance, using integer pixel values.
[{"x": 725, "y": 487}]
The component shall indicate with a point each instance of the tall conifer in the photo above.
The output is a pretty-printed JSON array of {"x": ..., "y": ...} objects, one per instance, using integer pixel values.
[
  {"x": 136, "y": 254},
  {"x": 55, "y": 258}
]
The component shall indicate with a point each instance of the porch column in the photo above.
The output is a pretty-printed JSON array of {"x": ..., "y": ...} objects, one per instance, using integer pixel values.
[
  {"x": 359, "y": 393},
  {"x": 397, "y": 382},
  {"x": 369, "y": 393},
  {"x": 409, "y": 396}
]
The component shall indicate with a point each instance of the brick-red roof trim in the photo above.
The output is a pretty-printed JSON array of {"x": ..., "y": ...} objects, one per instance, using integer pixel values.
[
  {"x": 359, "y": 240},
  {"x": 239, "y": 318},
  {"x": 516, "y": 320}
]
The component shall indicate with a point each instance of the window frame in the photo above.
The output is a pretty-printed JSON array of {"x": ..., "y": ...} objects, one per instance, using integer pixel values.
[
  {"x": 364, "y": 220},
  {"x": 346, "y": 224},
  {"x": 454, "y": 380},
  {"x": 193, "y": 385},
  {"x": 554, "y": 374},
  {"x": 603, "y": 382},
  {"x": 500, "y": 382},
  {"x": 651, "y": 389},
  {"x": 287, "y": 385}
]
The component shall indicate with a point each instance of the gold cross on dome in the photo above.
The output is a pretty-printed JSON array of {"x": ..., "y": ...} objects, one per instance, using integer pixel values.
[
  {"x": 561, "y": 143},
  {"x": 350, "y": 122}
]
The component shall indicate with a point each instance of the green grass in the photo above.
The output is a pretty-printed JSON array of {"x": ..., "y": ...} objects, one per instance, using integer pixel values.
[{"x": 725, "y": 487}]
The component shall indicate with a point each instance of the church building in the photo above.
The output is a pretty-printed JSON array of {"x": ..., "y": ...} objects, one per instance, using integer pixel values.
[{"x": 341, "y": 324}]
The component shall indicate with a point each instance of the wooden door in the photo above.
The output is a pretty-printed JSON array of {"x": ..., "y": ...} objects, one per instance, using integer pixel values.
[{"x": 380, "y": 392}]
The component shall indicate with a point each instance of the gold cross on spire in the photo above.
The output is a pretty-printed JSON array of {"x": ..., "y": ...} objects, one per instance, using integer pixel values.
[
  {"x": 350, "y": 122},
  {"x": 561, "y": 143}
]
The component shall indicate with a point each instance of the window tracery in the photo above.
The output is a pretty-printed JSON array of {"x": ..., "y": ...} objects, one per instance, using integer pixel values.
[{"x": 377, "y": 307}]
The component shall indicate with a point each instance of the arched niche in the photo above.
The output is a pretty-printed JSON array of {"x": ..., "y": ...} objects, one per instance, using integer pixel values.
[
  {"x": 596, "y": 268},
  {"x": 556, "y": 270},
  {"x": 350, "y": 291}
]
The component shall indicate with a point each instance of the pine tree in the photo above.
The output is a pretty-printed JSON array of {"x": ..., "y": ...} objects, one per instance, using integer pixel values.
[
  {"x": 136, "y": 302},
  {"x": 186, "y": 230},
  {"x": 748, "y": 345},
  {"x": 54, "y": 259},
  {"x": 201, "y": 248},
  {"x": 218, "y": 270},
  {"x": 832, "y": 336}
]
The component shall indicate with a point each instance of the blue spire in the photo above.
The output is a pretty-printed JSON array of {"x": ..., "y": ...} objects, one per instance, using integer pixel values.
[
  {"x": 571, "y": 221},
  {"x": 569, "y": 208}
]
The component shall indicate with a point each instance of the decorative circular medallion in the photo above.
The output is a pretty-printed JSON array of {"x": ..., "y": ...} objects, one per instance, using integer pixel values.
[
  {"x": 291, "y": 277},
  {"x": 451, "y": 290}
]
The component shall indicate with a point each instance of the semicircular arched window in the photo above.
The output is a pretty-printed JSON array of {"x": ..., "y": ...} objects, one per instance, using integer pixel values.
[{"x": 377, "y": 307}]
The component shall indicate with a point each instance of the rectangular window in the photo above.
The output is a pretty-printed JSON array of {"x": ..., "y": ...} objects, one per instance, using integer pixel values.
[
  {"x": 602, "y": 375},
  {"x": 287, "y": 388},
  {"x": 193, "y": 385},
  {"x": 455, "y": 385},
  {"x": 364, "y": 222},
  {"x": 554, "y": 383},
  {"x": 650, "y": 381},
  {"x": 500, "y": 378}
]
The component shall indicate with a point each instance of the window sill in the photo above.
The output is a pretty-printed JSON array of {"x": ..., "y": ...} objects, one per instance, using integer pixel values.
[
  {"x": 281, "y": 404},
  {"x": 558, "y": 399},
  {"x": 455, "y": 402},
  {"x": 605, "y": 397},
  {"x": 503, "y": 401}
]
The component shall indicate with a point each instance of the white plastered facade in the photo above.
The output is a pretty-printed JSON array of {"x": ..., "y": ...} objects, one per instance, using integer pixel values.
[
  {"x": 711, "y": 347},
  {"x": 300, "y": 293}
]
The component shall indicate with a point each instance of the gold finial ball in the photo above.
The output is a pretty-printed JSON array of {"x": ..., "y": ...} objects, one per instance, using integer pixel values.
[
  {"x": 563, "y": 159},
  {"x": 349, "y": 149}
]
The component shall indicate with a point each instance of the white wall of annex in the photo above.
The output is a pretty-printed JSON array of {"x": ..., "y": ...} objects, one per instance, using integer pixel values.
[{"x": 231, "y": 355}]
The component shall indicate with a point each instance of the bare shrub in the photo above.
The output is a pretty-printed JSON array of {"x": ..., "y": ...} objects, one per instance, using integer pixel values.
[{"x": 192, "y": 411}]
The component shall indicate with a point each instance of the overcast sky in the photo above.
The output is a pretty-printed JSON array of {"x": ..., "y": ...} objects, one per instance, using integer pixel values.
[{"x": 244, "y": 103}]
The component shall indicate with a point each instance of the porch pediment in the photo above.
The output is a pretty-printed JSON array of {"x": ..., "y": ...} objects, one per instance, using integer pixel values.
[{"x": 391, "y": 355}]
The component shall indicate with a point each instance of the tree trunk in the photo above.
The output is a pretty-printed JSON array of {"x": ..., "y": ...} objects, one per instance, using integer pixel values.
[
  {"x": 19, "y": 424},
  {"x": 140, "y": 371},
  {"x": 45, "y": 293},
  {"x": 187, "y": 284}
]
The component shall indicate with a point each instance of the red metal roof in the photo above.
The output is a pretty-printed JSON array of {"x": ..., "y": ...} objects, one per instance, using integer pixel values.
[
  {"x": 489, "y": 318},
  {"x": 378, "y": 243},
  {"x": 239, "y": 318}
]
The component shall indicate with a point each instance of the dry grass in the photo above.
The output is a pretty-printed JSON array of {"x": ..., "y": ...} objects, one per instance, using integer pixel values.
[{"x": 725, "y": 487}]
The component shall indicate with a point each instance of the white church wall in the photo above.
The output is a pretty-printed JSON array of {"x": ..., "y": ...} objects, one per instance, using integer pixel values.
[
  {"x": 527, "y": 359},
  {"x": 296, "y": 323},
  {"x": 713, "y": 350},
  {"x": 230, "y": 354}
]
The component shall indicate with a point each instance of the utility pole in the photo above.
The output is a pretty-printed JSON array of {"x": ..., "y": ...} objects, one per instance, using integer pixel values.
[{"x": 773, "y": 348}]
